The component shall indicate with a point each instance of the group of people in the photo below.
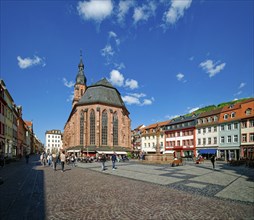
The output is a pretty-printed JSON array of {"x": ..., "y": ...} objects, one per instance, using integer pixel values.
[
  {"x": 103, "y": 159},
  {"x": 53, "y": 159}
]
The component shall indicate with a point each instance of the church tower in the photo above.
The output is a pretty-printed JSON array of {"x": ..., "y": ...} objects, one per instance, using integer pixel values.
[{"x": 80, "y": 85}]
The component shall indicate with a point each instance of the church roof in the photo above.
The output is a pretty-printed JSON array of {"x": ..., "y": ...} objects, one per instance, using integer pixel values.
[{"x": 102, "y": 92}]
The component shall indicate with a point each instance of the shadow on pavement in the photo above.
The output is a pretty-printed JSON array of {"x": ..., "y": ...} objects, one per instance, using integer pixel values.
[{"x": 22, "y": 193}]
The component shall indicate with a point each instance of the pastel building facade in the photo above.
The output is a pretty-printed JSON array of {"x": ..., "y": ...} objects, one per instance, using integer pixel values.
[
  {"x": 207, "y": 132},
  {"x": 247, "y": 129},
  {"x": 151, "y": 136},
  {"x": 53, "y": 141},
  {"x": 180, "y": 136},
  {"x": 227, "y": 132}
]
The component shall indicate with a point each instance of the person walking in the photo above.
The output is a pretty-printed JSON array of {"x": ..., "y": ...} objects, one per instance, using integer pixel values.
[
  {"x": 43, "y": 159},
  {"x": 113, "y": 158},
  {"x": 213, "y": 161},
  {"x": 27, "y": 157},
  {"x": 73, "y": 160},
  {"x": 103, "y": 160},
  {"x": 63, "y": 160},
  {"x": 54, "y": 160}
]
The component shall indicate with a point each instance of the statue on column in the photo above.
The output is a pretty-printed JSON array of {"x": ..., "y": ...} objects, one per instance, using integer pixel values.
[{"x": 157, "y": 131}]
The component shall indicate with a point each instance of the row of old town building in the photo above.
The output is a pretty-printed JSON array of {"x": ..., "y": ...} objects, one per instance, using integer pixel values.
[
  {"x": 99, "y": 122},
  {"x": 227, "y": 132},
  {"x": 17, "y": 137}
]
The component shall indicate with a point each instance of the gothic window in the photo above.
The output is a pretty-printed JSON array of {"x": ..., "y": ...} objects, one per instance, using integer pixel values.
[
  {"x": 115, "y": 129},
  {"x": 81, "y": 128},
  {"x": 104, "y": 132},
  {"x": 92, "y": 127}
]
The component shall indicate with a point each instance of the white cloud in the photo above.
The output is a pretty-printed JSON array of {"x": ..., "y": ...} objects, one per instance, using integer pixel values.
[
  {"x": 131, "y": 100},
  {"x": 176, "y": 11},
  {"x": 138, "y": 95},
  {"x": 147, "y": 102},
  {"x": 131, "y": 83},
  {"x": 212, "y": 68},
  {"x": 171, "y": 116},
  {"x": 242, "y": 85},
  {"x": 238, "y": 93},
  {"x": 193, "y": 109},
  {"x": 112, "y": 34},
  {"x": 111, "y": 49},
  {"x": 135, "y": 99},
  {"x": 179, "y": 76},
  {"x": 107, "y": 51},
  {"x": 119, "y": 66},
  {"x": 29, "y": 62},
  {"x": 71, "y": 96},
  {"x": 116, "y": 78},
  {"x": 96, "y": 10},
  {"x": 68, "y": 84},
  {"x": 124, "y": 7},
  {"x": 144, "y": 12}
]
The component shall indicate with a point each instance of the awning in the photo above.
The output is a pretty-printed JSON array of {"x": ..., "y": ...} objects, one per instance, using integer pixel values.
[
  {"x": 168, "y": 152},
  {"x": 73, "y": 151},
  {"x": 112, "y": 152},
  {"x": 207, "y": 151}
]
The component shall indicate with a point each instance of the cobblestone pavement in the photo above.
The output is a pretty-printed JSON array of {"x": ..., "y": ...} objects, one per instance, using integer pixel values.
[{"x": 132, "y": 191}]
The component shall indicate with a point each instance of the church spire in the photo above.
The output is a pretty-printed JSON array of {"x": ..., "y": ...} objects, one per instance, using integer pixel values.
[
  {"x": 80, "y": 78},
  {"x": 80, "y": 85}
]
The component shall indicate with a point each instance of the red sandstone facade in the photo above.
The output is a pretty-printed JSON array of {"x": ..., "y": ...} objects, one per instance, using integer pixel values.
[{"x": 98, "y": 118}]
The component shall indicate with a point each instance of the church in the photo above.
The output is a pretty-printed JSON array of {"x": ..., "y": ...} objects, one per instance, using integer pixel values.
[{"x": 99, "y": 119}]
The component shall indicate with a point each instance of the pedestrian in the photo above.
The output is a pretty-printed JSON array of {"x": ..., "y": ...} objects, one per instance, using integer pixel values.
[
  {"x": 54, "y": 160},
  {"x": 213, "y": 161},
  {"x": 63, "y": 159},
  {"x": 73, "y": 160},
  {"x": 27, "y": 157},
  {"x": 49, "y": 159},
  {"x": 103, "y": 160},
  {"x": 113, "y": 158}
]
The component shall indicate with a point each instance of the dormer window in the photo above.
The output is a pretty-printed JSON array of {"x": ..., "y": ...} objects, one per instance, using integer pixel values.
[
  {"x": 199, "y": 121},
  {"x": 209, "y": 119},
  {"x": 225, "y": 117},
  {"x": 248, "y": 111},
  {"x": 215, "y": 118},
  {"x": 232, "y": 114},
  {"x": 231, "y": 106},
  {"x": 204, "y": 120}
]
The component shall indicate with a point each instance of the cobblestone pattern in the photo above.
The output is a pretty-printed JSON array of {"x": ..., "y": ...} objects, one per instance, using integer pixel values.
[{"x": 36, "y": 192}]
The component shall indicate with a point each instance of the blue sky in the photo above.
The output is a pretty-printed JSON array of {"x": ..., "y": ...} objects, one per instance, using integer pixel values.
[{"x": 165, "y": 57}]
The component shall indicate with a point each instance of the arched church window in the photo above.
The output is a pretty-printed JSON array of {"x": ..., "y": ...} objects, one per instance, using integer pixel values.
[
  {"x": 115, "y": 129},
  {"x": 81, "y": 128},
  {"x": 92, "y": 127},
  {"x": 104, "y": 132}
]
